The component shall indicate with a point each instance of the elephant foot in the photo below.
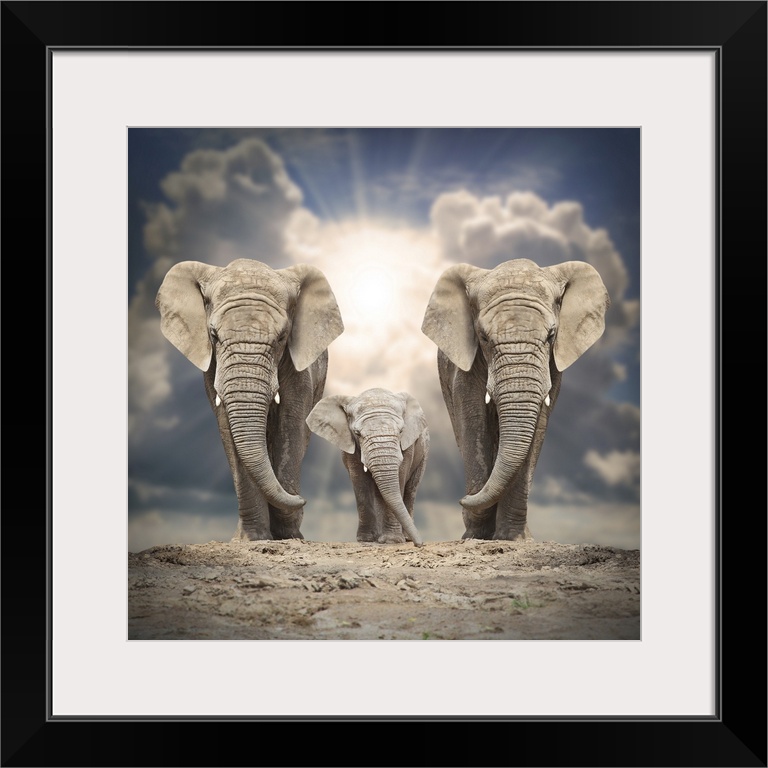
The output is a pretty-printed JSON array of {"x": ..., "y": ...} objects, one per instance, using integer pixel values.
[
  {"x": 481, "y": 525},
  {"x": 391, "y": 538},
  {"x": 366, "y": 536},
  {"x": 285, "y": 525},
  {"x": 478, "y": 532},
  {"x": 252, "y": 534},
  {"x": 287, "y": 532},
  {"x": 513, "y": 534}
]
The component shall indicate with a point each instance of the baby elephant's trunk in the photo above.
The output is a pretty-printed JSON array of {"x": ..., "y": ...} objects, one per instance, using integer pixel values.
[{"x": 388, "y": 481}]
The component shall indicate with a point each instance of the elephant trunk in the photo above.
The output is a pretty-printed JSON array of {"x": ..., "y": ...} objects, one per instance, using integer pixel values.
[
  {"x": 386, "y": 475},
  {"x": 518, "y": 402},
  {"x": 247, "y": 399},
  {"x": 248, "y": 425}
]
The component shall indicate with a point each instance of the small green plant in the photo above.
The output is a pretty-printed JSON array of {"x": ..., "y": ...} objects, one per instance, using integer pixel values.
[
  {"x": 522, "y": 602},
  {"x": 426, "y": 635}
]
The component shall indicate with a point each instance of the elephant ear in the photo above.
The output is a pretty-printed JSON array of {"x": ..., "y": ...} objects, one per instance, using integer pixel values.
[
  {"x": 316, "y": 318},
  {"x": 583, "y": 306},
  {"x": 415, "y": 420},
  {"x": 329, "y": 420},
  {"x": 448, "y": 320},
  {"x": 182, "y": 310}
]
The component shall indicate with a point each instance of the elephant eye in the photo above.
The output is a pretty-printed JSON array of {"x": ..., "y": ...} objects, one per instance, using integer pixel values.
[
  {"x": 551, "y": 334},
  {"x": 214, "y": 335},
  {"x": 483, "y": 337}
]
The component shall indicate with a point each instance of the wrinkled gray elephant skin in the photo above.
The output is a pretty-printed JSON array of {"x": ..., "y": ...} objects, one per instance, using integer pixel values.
[
  {"x": 384, "y": 442},
  {"x": 260, "y": 335},
  {"x": 529, "y": 324}
]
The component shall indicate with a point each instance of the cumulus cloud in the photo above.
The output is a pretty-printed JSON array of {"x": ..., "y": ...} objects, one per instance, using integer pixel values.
[
  {"x": 148, "y": 367},
  {"x": 487, "y": 231},
  {"x": 615, "y": 467},
  {"x": 584, "y": 421},
  {"x": 224, "y": 205},
  {"x": 560, "y": 490}
]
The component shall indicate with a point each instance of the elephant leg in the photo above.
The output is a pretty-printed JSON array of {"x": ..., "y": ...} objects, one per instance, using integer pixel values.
[
  {"x": 412, "y": 484},
  {"x": 512, "y": 508},
  {"x": 409, "y": 495},
  {"x": 288, "y": 435},
  {"x": 475, "y": 428},
  {"x": 253, "y": 510},
  {"x": 392, "y": 531},
  {"x": 368, "y": 528}
]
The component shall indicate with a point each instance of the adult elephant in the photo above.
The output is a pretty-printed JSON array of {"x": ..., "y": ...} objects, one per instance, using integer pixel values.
[
  {"x": 530, "y": 324},
  {"x": 260, "y": 335}
]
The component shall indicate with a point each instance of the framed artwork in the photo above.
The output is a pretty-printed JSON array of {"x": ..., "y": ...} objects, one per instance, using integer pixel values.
[{"x": 113, "y": 103}]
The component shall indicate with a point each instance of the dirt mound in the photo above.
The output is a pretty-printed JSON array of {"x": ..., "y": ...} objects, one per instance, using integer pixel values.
[{"x": 458, "y": 590}]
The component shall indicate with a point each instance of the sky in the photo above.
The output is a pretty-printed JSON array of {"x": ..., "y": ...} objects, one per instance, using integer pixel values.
[{"x": 383, "y": 212}]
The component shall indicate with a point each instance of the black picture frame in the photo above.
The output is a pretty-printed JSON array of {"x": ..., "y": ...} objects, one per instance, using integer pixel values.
[{"x": 736, "y": 736}]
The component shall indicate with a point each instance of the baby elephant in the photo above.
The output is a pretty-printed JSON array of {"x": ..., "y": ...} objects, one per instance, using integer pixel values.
[{"x": 384, "y": 441}]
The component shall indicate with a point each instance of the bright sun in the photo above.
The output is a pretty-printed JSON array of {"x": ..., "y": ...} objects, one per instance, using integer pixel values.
[
  {"x": 382, "y": 279},
  {"x": 374, "y": 290},
  {"x": 369, "y": 256}
]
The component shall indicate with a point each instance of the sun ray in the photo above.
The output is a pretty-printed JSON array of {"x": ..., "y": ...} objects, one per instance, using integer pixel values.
[{"x": 381, "y": 277}]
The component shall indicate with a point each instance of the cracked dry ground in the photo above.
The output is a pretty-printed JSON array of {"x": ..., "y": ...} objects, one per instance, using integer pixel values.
[{"x": 462, "y": 590}]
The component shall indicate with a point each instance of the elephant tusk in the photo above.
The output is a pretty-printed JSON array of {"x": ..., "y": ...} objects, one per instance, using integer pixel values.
[
  {"x": 218, "y": 399},
  {"x": 277, "y": 398},
  {"x": 487, "y": 397},
  {"x": 365, "y": 469},
  {"x": 547, "y": 401}
]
